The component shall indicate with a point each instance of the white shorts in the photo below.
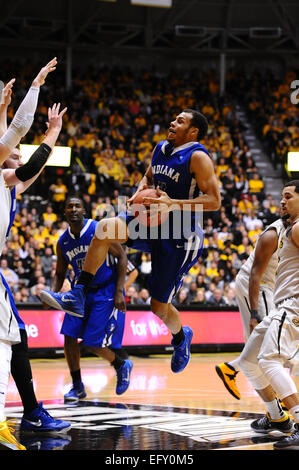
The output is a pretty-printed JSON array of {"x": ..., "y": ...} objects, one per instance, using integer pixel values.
[
  {"x": 281, "y": 338},
  {"x": 265, "y": 301},
  {"x": 9, "y": 328}
]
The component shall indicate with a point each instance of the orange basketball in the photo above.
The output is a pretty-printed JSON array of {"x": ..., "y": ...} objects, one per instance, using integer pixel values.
[{"x": 148, "y": 214}]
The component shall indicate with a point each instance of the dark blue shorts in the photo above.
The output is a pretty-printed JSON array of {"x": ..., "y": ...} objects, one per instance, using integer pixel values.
[
  {"x": 171, "y": 260},
  {"x": 103, "y": 324}
]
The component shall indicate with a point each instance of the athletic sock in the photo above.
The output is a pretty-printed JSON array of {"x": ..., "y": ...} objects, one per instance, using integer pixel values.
[
  {"x": 117, "y": 363},
  {"x": 234, "y": 364},
  {"x": 178, "y": 338},
  {"x": 85, "y": 279},
  {"x": 76, "y": 376},
  {"x": 274, "y": 409}
]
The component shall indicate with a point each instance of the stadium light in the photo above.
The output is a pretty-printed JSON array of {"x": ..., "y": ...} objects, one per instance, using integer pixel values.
[
  {"x": 293, "y": 161},
  {"x": 61, "y": 156},
  {"x": 153, "y": 3}
]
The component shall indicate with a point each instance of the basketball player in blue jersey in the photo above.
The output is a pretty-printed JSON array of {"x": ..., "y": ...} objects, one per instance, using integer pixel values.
[
  {"x": 183, "y": 173},
  {"x": 103, "y": 324},
  {"x": 18, "y": 178}
]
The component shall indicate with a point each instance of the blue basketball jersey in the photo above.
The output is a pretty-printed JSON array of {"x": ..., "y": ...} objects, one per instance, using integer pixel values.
[
  {"x": 171, "y": 169},
  {"x": 171, "y": 172},
  {"x": 74, "y": 251}
]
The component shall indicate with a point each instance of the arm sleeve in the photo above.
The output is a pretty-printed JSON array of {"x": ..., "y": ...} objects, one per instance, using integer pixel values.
[
  {"x": 22, "y": 120},
  {"x": 37, "y": 160}
]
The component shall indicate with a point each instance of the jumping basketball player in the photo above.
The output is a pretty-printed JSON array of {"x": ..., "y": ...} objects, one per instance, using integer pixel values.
[{"x": 180, "y": 169}]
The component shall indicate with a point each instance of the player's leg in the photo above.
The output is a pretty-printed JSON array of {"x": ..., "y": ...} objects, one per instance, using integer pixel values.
[
  {"x": 35, "y": 418},
  {"x": 103, "y": 330},
  {"x": 276, "y": 418},
  {"x": 279, "y": 345},
  {"x": 72, "y": 356},
  {"x": 6, "y": 431},
  {"x": 107, "y": 232},
  {"x": 73, "y": 328},
  {"x": 227, "y": 371},
  {"x": 170, "y": 264}
]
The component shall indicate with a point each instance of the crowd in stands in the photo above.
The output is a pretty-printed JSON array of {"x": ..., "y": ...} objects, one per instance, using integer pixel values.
[{"x": 115, "y": 117}]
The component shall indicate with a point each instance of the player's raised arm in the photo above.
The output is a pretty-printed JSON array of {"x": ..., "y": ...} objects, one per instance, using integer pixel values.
[
  {"x": 23, "y": 118},
  {"x": 26, "y": 174},
  {"x": 5, "y": 101}
]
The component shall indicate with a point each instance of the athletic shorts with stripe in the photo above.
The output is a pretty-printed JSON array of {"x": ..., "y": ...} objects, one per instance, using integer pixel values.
[
  {"x": 171, "y": 260},
  {"x": 265, "y": 301},
  {"x": 103, "y": 324}
]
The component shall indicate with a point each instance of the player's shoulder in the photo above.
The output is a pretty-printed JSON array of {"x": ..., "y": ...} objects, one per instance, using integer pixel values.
[{"x": 199, "y": 149}]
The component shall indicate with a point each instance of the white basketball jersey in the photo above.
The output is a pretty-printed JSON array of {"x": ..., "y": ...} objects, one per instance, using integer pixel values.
[
  {"x": 269, "y": 275},
  {"x": 287, "y": 278}
]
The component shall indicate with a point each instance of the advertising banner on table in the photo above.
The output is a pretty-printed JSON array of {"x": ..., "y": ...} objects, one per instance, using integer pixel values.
[{"x": 142, "y": 328}]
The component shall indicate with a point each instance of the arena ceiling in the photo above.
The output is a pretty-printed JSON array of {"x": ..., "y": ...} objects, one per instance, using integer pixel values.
[{"x": 192, "y": 26}]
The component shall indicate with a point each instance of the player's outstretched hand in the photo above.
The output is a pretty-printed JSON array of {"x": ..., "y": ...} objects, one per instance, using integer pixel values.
[
  {"x": 42, "y": 75},
  {"x": 6, "y": 93},
  {"x": 55, "y": 117}
]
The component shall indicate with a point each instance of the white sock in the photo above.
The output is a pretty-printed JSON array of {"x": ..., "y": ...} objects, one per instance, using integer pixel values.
[
  {"x": 295, "y": 413},
  {"x": 234, "y": 364},
  {"x": 274, "y": 409}
]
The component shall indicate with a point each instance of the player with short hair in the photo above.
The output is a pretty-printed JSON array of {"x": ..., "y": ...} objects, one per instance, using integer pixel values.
[
  {"x": 183, "y": 174},
  {"x": 14, "y": 179},
  {"x": 277, "y": 336},
  {"x": 102, "y": 327},
  {"x": 254, "y": 292}
]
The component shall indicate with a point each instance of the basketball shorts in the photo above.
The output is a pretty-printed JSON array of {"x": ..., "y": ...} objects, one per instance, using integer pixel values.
[
  {"x": 9, "y": 328},
  {"x": 171, "y": 260},
  {"x": 265, "y": 301},
  {"x": 281, "y": 338},
  {"x": 102, "y": 326}
]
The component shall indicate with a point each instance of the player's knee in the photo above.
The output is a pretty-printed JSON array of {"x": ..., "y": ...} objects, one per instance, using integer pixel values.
[
  {"x": 269, "y": 366},
  {"x": 254, "y": 374}
]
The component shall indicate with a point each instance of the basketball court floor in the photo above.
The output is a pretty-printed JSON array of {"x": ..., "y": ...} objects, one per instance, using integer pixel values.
[{"x": 189, "y": 411}]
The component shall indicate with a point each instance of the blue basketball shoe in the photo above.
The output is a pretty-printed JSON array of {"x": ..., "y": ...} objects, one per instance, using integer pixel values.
[
  {"x": 123, "y": 377},
  {"x": 71, "y": 302},
  {"x": 39, "y": 420},
  {"x": 181, "y": 354},
  {"x": 75, "y": 394}
]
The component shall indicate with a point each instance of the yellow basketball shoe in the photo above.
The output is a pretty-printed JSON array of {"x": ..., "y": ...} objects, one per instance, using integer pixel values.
[
  {"x": 228, "y": 374},
  {"x": 6, "y": 437}
]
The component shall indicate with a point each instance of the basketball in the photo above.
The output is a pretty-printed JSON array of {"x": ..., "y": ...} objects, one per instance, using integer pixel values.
[{"x": 149, "y": 215}]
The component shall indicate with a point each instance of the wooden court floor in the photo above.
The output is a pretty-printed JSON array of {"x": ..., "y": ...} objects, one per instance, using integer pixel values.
[{"x": 161, "y": 410}]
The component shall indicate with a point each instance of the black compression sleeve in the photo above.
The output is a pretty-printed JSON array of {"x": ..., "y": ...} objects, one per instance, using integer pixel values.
[{"x": 34, "y": 164}]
